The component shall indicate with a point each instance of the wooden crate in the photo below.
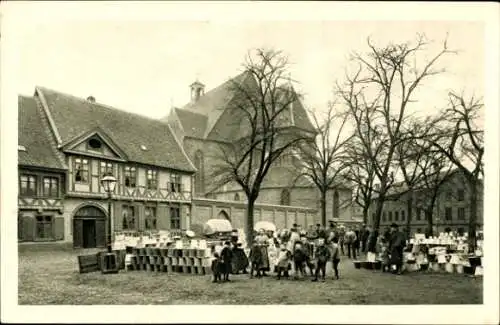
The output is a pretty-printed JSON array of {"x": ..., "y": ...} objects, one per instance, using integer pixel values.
[{"x": 88, "y": 263}]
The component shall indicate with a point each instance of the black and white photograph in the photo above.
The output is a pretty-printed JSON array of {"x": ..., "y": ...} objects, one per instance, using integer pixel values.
[{"x": 293, "y": 162}]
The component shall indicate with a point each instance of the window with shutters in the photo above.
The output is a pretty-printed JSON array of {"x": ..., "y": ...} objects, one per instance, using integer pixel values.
[
  {"x": 175, "y": 183},
  {"x": 448, "y": 213},
  {"x": 152, "y": 179},
  {"x": 81, "y": 167},
  {"x": 50, "y": 186},
  {"x": 128, "y": 218},
  {"x": 384, "y": 217},
  {"x": 175, "y": 218},
  {"x": 150, "y": 218},
  {"x": 44, "y": 229},
  {"x": 403, "y": 216},
  {"x": 390, "y": 216},
  {"x": 105, "y": 168},
  {"x": 461, "y": 214},
  {"x": 27, "y": 185},
  {"x": 419, "y": 214},
  {"x": 130, "y": 176},
  {"x": 461, "y": 195},
  {"x": 396, "y": 216}
]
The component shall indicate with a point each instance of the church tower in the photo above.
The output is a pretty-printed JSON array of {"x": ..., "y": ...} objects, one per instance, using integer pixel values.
[{"x": 197, "y": 90}]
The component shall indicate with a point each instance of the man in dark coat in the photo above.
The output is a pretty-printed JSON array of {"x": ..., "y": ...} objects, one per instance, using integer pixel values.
[
  {"x": 397, "y": 244},
  {"x": 365, "y": 233},
  {"x": 226, "y": 257},
  {"x": 321, "y": 232},
  {"x": 357, "y": 241}
]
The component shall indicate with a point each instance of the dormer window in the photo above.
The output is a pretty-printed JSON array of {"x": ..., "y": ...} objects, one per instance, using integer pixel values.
[{"x": 94, "y": 144}]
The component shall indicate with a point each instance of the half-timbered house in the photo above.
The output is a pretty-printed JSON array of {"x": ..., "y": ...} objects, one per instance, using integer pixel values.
[{"x": 67, "y": 144}]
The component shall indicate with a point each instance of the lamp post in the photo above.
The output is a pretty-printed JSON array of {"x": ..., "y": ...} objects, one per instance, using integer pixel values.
[{"x": 109, "y": 263}]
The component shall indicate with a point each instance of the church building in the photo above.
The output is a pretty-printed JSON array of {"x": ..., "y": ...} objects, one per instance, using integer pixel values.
[{"x": 202, "y": 125}]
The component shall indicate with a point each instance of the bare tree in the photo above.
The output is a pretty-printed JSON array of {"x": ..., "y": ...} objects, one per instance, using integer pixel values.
[
  {"x": 460, "y": 139},
  {"x": 322, "y": 161},
  {"x": 413, "y": 157},
  {"x": 360, "y": 172},
  {"x": 262, "y": 130},
  {"x": 378, "y": 96},
  {"x": 435, "y": 170}
]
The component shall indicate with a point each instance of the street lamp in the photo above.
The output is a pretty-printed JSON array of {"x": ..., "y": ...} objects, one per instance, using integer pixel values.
[{"x": 109, "y": 260}]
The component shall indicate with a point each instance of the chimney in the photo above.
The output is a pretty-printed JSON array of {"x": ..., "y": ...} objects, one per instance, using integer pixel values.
[
  {"x": 91, "y": 99},
  {"x": 197, "y": 90}
]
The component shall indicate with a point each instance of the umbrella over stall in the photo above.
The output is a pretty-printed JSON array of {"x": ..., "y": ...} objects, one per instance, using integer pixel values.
[{"x": 266, "y": 225}]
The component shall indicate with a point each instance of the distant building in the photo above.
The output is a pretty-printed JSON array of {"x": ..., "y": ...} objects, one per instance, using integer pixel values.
[{"x": 451, "y": 211}]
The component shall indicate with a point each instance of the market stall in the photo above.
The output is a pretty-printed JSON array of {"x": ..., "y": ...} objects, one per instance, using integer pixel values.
[{"x": 446, "y": 252}]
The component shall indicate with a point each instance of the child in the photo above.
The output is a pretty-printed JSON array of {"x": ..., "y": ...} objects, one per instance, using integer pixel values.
[
  {"x": 299, "y": 259},
  {"x": 322, "y": 255},
  {"x": 335, "y": 256},
  {"x": 216, "y": 268},
  {"x": 255, "y": 258},
  {"x": 283, "y": 261},
  {"x": 308, "y": 249},
  {"x": 384, "y": 255},
  {"x": 226, "y": 259}
]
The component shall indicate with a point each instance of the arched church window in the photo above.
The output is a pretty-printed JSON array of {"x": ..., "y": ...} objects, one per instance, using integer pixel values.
[
  {"x": 336, "y": 204},
  {"x": 285, "y": 197},
  {"x": 199, "y": 179},
  {"x": 236, "y": 197}
]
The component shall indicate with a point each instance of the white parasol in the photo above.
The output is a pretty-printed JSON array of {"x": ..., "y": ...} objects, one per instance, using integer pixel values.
[
  {"x": 266, "y": 225},
  {"x": 217, "y": 225}
]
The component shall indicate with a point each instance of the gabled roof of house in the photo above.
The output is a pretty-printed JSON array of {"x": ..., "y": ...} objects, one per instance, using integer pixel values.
[
  {"x": 34, "y": 137},
  {"x": 73, "y": 116},
  {"x": 210, "y": 118}
]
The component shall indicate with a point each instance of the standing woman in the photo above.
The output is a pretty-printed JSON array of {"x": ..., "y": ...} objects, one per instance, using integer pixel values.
[{"x": 262, "y": 242}]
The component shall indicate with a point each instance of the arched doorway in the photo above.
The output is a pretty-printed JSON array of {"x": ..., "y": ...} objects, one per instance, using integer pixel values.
[
  {"x": 223, "y": 215},
  {"x": 89, "y": 227}
]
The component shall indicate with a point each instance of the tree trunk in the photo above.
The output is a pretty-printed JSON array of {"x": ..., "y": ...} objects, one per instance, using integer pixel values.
[
  {"x": 429, "y": 215},
  {"x": 249, "y": 222},
  {"x": 409, "y": 211},
  {"x": 323, "y": 208},
  {"x": 365, "y": 214},
  {"x": 472, "y": 215},
  {"x": 430, "y": 225},
  {"x": 378, "y": 211}
]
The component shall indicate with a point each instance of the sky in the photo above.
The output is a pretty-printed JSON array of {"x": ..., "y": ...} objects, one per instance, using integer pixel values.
[{"x": 145, "y": 66}]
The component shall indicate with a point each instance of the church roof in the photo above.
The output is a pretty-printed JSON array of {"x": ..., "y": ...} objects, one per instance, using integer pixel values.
[
  {"x": 34, "y": 137},
  {"x": 210, "y": 118},
  {"x": 73, "y": 116},
  {"x": 194, "y": 124}
]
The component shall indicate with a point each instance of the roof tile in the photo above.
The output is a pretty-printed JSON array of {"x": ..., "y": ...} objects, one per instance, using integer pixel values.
[
  {"x": 74, "y": 116},
  {"x": 33, "y": 137}
]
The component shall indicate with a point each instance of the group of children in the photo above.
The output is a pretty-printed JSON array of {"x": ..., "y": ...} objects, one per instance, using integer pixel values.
[{"x": 298, "y": 252}]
